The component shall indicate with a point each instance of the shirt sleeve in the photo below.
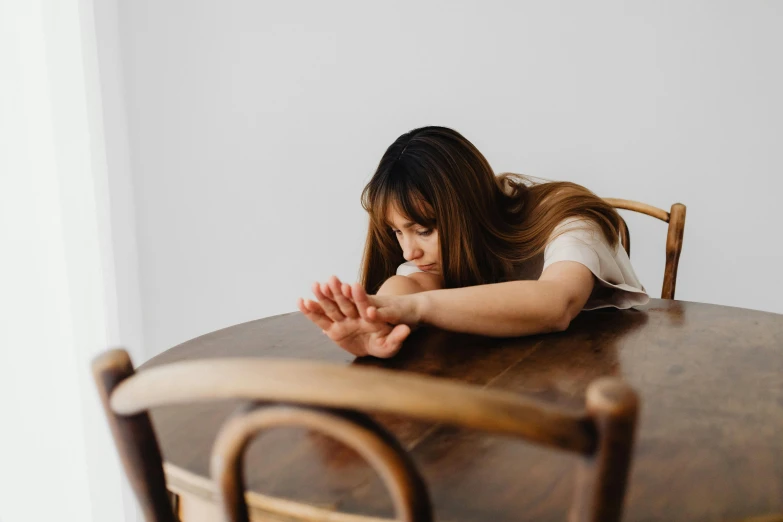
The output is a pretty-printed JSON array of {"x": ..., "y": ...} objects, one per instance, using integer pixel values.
[
  {"x": 408, "y": 268},
  {"x": 616, "y": 282}
]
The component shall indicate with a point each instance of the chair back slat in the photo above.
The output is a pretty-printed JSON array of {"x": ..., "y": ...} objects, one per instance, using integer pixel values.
[
  {"x": 323, "y": 397},
  {"x": 333, "y": 386},
  {"x": 355, "y": 430},
  {"x": 674, "y": 237}
]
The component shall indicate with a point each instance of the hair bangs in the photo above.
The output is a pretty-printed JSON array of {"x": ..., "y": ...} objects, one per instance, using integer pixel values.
[{"x": 399, "y": 192}]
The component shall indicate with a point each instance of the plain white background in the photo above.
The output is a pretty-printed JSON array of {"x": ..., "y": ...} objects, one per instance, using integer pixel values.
[
  {"x": 59, "y": 304},
  {"x": 251, "y": 128}
]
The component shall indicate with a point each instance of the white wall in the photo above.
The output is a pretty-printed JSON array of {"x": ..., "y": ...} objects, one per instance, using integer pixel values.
[
  {"x": 254, "y": 125},
  {"x": 119, "y": 198},
  {"x": 58, "y": 277},
  {"x": 122, "y": 218}
]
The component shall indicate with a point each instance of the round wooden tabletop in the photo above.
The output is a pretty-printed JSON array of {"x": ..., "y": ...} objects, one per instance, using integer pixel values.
[{"x": 709, "y": 443}]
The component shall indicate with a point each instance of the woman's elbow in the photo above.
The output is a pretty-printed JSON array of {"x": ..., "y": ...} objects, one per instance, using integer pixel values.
[
  {"x": 562, "y": 316},
  {"x": 561, "y": 323}
]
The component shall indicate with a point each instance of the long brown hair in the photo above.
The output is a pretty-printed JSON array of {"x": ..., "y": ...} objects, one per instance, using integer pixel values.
[{"x": 486, "y": 224}]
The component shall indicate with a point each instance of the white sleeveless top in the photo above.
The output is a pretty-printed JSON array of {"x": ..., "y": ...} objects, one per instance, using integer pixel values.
[{"x": 582, "y": 241}]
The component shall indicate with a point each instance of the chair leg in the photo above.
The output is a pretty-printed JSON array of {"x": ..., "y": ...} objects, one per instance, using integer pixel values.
[
  {"x": 602, "y": 477},
  {"x": 135, "y": 439}
]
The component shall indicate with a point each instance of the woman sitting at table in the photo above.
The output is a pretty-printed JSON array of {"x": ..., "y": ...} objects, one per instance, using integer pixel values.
[{"x": 454, "y": 246}]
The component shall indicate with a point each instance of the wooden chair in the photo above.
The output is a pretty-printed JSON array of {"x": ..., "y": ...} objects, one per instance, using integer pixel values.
[
  {"x": 323, "y": 397},
  {"x": 676, "y": 220}
]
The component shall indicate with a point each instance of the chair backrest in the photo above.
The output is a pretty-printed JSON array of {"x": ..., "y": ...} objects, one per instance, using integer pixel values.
[
  {"x": 323, "y": 397},
  {"x": 676, "y": 220}
]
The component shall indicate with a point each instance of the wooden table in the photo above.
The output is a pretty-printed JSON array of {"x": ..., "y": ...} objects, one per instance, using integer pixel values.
[{"x": 709, "y": 446}]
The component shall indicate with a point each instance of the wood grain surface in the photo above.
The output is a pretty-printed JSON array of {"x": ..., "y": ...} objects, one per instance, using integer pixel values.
[{"x": 709, "y": 440}]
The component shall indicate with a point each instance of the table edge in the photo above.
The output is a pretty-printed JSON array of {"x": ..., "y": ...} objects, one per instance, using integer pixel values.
[{"x": 183, "y": 482}]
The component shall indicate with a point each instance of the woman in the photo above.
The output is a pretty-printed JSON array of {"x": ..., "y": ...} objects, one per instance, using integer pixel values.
[{"x": 454, "y": 246}]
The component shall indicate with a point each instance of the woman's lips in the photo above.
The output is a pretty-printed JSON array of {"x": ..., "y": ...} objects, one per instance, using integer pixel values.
[{"x": 425, "y": 268}]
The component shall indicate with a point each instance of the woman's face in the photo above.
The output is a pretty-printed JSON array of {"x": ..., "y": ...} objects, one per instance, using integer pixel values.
[{"x": 419, "y": 244}]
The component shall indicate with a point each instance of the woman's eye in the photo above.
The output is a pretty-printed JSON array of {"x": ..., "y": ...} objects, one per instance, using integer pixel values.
[
  {"x": 397, "y": 232},
  {"x": 424, "y": 233}
]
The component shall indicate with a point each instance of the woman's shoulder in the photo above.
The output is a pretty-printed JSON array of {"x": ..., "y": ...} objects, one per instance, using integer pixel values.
[
  {"x": 582, "y": 228},
  {"x": 582, "y": 240}
]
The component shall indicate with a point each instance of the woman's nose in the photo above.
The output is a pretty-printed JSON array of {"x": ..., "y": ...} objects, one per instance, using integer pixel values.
[{"x": 409, "y": 250}]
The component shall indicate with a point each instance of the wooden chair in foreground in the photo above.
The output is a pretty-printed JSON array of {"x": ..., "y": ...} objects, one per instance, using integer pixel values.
[
  {"x": 322, "y": 397},
  {"x": 676, "y": 220}
]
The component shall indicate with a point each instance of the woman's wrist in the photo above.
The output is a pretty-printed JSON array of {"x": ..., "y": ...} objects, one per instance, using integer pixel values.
[{"x": 421, "y": 305}]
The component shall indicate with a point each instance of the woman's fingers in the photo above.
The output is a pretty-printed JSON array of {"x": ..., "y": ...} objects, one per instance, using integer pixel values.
[
  {"x": 313, "y": 306},
  {"x": 398, "y": 334},
  {"x": 362, "y": 301},
  {"x": 326, "y": 290},
  {"x": 329, "y": 306},
  {"x": 390, "y": 344},
  {"x": 315, "y": 313},
  {"x": 383, "y": 314},
  {"x": 346, "y": 306}
]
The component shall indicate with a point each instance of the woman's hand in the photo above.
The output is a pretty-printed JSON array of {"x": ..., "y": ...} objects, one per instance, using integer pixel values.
[
  {"x": 392, "y": 309},
  {"x": 358, "y": 323}
]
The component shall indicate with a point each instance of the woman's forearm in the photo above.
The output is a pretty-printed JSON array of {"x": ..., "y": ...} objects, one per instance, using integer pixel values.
[{"x": 500, "y": 310}]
